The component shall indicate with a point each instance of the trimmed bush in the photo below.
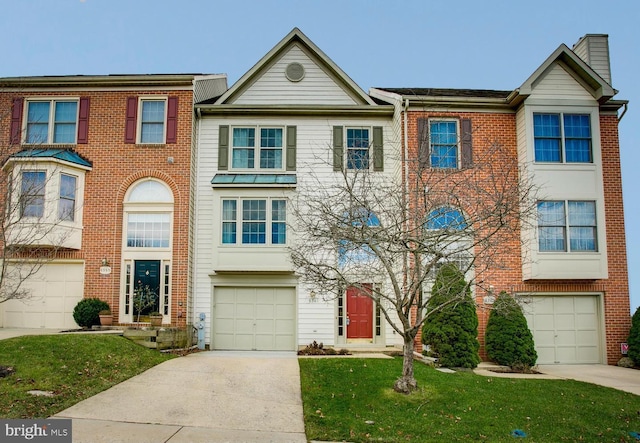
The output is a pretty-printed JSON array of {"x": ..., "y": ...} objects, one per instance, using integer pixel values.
[
  {"x": 634, "y": 338},
  {"x": 451, "y": 328},
  {"x": 508, "y": 339},
  {"x": 86, "y": 311}
]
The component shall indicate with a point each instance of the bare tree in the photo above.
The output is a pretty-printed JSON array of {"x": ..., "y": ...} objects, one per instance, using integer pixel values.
[
  {"x": 32, "y": 213},
  {"x": 388, "y": 237}
]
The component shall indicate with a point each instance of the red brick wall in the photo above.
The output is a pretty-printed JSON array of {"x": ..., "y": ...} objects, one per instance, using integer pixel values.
[
  {"x": 116, "y": 166},
  {"x": 501, "y": 128}
]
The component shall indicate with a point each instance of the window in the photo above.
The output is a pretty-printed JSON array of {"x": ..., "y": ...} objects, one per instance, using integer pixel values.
[
  {"x": 261, "y": 221},
  {"x": 443, "y": 139},
  {"x": 244, "y": 148},
  {"x": 32, "y": 193},
  {"x": 446, "y": 218},
  {"x": 152, "y": 121},
  {"x": 51, "y": 121},
  {"x": 555, "y": 216},
  {"x": 67, "y": 203},
  {"x": 562, "y": 138},
  {"x": 148, "y": 230},
  {"x": 357, "y": 148}
]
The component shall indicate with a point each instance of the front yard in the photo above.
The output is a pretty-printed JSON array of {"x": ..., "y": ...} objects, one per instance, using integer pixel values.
[{"x": 353, "y": 400}]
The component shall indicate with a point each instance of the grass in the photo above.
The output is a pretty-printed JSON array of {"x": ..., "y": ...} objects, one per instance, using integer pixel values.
[
  {"x": 72, "y": 366},
  {"x": 341, "y": 395}
]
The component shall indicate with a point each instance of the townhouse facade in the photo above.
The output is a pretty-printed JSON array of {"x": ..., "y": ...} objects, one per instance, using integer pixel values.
[
  {"x": 181, "y": 185},
  {"x": 103, "y": 163}
]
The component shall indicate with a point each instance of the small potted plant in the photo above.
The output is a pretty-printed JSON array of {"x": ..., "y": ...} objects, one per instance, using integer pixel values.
[
  {"x": 106, "y": 317},
  {"x": 155, "y": 318}
]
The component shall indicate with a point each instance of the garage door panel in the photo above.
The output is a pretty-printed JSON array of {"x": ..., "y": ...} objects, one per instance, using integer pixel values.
[{"x": 260, "y": 318}]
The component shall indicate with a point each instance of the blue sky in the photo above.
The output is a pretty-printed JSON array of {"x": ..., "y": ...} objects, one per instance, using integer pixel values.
[{"x": 413, "y": 43}]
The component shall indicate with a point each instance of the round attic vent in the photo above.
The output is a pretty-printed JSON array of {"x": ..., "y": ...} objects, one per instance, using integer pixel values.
[{"x": 294, "y": 72}]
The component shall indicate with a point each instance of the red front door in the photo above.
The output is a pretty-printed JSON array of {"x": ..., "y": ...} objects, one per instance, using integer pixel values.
[{"x": 359, "y": 313}]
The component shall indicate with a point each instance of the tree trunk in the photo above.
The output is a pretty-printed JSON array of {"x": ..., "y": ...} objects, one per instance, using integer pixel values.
[{"x": 407, "y": 383}]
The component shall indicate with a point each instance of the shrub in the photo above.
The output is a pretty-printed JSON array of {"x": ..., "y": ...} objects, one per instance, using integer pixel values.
[
  {"x": 86, "y": 311},
  {"x": 634, "y": 338},
  {"x": 451, "y": 328},
  {"x": 508, "y": 338}
]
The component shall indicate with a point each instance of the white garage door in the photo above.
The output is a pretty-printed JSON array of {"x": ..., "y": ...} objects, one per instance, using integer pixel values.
[
  {"x": 260, "y": 319},
  {"x": 565, "y": 328},
  {"x": 55, "y": 291}
]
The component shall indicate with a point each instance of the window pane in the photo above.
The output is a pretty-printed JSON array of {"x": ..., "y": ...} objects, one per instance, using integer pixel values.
[
  {"x": 152, "y": 126},
  {"x": 551, "y": 213},
  {"x": 229, "y": 221},
  {"x": 278, "y": 219},
  {"x": 582, "y": 226},
  {"x": 64, "y": 128},
  {"x": 148, "y": 230},
  {"x": 577, "y": 131},
  {"x": 357, "y": 148},
  {"x": 271, "y": 138},
  {"x": 37, "y": 122},
  {"x": 444, "y": 144},
  {"x": 254, "y": 214},
  {"x": 546, "y": 132},
  {"x": 244, "y": 137},
  {"x": 551, "y": 239},
  {"x": 446, "y": 218},
  {"x": 551, "y": 226},
  {"x": 150, "y": 191},
  {"x": 67, "y": 203},
  {"x": 32, "y": 193},
  {"x": 271, "y": 158}
]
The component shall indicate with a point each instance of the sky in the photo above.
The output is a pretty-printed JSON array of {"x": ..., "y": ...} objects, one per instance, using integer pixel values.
[{"x": 469, "y": 44}]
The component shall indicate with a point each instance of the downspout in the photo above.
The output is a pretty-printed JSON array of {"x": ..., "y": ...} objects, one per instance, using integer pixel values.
[
  {"x": 623, "y": 112},
  {"x": 405, "y": 109}
]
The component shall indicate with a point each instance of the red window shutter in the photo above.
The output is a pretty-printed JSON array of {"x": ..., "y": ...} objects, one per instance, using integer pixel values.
[
  {"x": 83, "y": 121},
  {"x": 16, "y": 121},
  {"x": 130, "y": 126},
  {"x": 466, "y": 142},
  {"x": 172, "y": 120}
]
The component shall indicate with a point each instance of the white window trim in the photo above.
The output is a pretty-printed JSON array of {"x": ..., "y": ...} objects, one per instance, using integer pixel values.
[
  {"x": 269, "y": 224},
  {"x": 258, "y": 149},
  {"x": 458, "y": 144},
  {"x": 50, "y": 127},
  {"x": 151, "y": 98},
  {"x": 145, "y": 208},
  {"x": 567, "y": 226},
  {"x": 563, "y": 152},
  {"x": 75, "y": 200}
]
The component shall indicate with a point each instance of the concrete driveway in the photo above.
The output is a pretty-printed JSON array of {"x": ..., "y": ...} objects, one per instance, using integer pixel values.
[
  {"x": 203, "y": 397},
  {"x": 615, "y": 377}
]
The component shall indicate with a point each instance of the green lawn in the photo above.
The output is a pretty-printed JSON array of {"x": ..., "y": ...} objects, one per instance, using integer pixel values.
[
  {"x": 341, "y": 395},
  {"x": 72, "y": 366}
]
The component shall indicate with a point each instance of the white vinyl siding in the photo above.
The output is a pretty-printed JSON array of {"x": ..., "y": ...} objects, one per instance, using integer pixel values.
[
  {"x": 273, "y": 88},
  {"x": 559, "y": 84}
]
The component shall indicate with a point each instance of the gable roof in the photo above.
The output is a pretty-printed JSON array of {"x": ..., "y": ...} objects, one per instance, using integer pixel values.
[
  {"x": 600, "y": 89},
  {"x": 295, "y": 36}
]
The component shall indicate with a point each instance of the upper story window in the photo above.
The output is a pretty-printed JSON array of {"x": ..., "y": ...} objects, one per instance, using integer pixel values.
[
  {"x": 357, "y": 148},
  {"x": 254, "y": 221},
  {"x": 51, "y": 121},
  {"x": 443, "y": 140},
  {"x": 562, "y": 138},
  {"x": 264, "y": 143},
  {"x": 567, "y": 222},
  {"x": 67, "y": 202},
  {"x": 151, "y": 120},
  {"x": 32, "y": 193}
]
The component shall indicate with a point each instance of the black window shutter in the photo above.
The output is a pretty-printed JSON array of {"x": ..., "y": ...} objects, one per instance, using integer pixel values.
[
  {"x": 423, "y": 142},
  {"x": 223, "y": 148},
  {"x": 378, "y": 149},
  {"x": 466, "y": 143},
  {"x": 291, "y": 148},
  {"x": 338, "y": 148}
]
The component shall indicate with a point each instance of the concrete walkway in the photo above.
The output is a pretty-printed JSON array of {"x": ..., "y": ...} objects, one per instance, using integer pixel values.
[
  {"x": 623, "y": 379},
  {"x": 204, "y": 397}
]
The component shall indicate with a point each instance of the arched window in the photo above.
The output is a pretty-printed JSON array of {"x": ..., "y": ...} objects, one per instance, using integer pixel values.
[{"x": 446, "y": 217}]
